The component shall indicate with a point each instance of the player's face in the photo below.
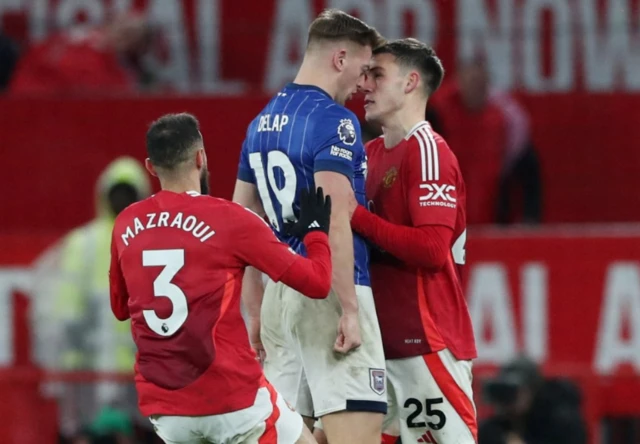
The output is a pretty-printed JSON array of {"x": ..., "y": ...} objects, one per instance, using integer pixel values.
[
  {"x": 383, "y": 86},
  {"x": 356, "y": 65}
]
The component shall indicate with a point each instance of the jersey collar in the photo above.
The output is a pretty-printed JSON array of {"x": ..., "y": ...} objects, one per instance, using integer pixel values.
[{"x": 292, "y": 85}]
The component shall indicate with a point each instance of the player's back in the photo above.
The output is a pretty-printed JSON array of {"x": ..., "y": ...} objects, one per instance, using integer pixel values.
[
  {"x": 183, "y": 275},
  {"x": 300, "y": 132}
]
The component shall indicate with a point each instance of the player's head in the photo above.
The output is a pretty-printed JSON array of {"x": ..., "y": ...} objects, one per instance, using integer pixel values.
[
  {"x": 401, "y": 73},
  {"x": 341, "y": 46},
  {"x": 176, "y": 150}
]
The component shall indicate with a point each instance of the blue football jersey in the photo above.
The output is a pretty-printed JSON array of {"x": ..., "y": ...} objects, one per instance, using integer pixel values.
[{"x": 302, "y": 130}]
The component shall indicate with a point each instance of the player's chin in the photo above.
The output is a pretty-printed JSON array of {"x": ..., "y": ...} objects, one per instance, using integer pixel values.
[{"x": 369, "y": 113}]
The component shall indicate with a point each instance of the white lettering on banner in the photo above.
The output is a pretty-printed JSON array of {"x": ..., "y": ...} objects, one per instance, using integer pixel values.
[
  {"x": 562, "y": 50},
  {"x": 68, "y": 10},
  {"x": 621, "y": 306},
  {"x": 491, "y": 310},
  {"x": 493, "y": 38},
  {"x": 291, "y": 27},
  {"x": 11, "y": 280},
  {"x": 364, "y": 9},
  {"x": 169, "y": 15},
  {"x": 425, "y": 16},
  {"x": 508, "y": 32},
  {"x": 120, "y": 6},
  {"x": 533, "y": 290},
  {"x": 209, "y": 51},
  {"x": 607, "y": 47}
]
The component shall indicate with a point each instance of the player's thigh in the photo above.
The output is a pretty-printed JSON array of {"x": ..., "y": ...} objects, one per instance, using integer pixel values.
[
  {"x": 307, "y": 437},
  {"x": 284, "y": 426},
  {"x": 282, "y": 365},
  {"x": 391, "y": 422},
  {"x": 337, "y": 382},
  {"x": 353, "y": 427},
  {"x": 269, "y": 421},
  {"x": 177, "y": 429},
  {"x": 435, "y": 398}
]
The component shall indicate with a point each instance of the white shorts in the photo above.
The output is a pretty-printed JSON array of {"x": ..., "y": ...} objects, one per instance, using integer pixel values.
[
  {"x": 298, "y": 335},
  {"x": 431, "y": 400},
  {"x": 268, "y": 421}
]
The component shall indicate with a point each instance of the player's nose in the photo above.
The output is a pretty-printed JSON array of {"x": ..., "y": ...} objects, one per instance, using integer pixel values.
[{"x": 364, "y": 84}]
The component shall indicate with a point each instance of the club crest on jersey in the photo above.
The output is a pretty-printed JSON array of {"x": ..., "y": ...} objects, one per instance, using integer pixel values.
[
  {"x": 347, "y": 132},
  {"x": 390, "y": 177},
  {"x": 377, "y": 380}
]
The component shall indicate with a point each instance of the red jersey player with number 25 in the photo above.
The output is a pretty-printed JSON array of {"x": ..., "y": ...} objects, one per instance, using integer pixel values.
[
  {"x": 417, "y": 220},
  {"x": 177, "y": 262}
]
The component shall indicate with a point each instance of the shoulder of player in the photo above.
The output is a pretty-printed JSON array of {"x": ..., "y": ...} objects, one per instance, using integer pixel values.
[
  {"x": 374, "y": 144},
  {"x": 240, "y": 213},
  {"x": 337, "y": 124},
  {"x": 424, "y": 139},
  {"x": 430, "y": 149},
  {"x": 336, "y": 111},
  {"x": 333, "y": 115}
]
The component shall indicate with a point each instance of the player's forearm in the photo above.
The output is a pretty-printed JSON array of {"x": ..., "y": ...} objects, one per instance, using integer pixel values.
[
  {"x": 425, "y": 247},
  {"x": 118, "y": 293},
  {"x": 341, "y": 241},
  {"x": 311, "y": 276},
  {"x": 119, "y": 306},
  {"x": 252, "y": 292}
]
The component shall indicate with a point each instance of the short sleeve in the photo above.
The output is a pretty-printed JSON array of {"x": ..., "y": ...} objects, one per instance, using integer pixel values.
[
  {"x": 245, "y": 173},
  {"x": 255, "y": 244},
  {"x": 431, "y": 181},
  {"x": 338, "y": 142}
]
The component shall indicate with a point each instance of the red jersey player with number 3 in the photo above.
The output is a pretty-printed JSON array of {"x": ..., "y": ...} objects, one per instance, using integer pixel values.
[
  {"x": 177, "y": 262},
  {"x": 417, "y": 220}
]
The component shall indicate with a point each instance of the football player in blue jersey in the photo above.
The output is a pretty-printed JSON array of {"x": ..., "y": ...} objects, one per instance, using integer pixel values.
[{"x": 326, "y": 356}]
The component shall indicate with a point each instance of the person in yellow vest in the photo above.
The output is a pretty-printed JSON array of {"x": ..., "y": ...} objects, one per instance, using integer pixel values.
[{"x": 71, "y": 317}]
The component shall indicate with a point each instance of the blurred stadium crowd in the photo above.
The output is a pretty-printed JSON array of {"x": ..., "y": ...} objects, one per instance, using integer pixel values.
[{"x": 550, "y": 165}]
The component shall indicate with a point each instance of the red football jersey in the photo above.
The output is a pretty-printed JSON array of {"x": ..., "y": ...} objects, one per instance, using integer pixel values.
[
  {"x": 176, "y": 268},
  {"x": 418, "y": 183}
]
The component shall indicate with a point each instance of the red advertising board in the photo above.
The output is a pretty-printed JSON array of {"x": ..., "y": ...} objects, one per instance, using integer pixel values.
[
  {"x": 53, "y": 150},
  {"x": 568, "y": 298}
]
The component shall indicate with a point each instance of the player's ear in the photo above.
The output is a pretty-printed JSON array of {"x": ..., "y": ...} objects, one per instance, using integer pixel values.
[
  {"x": 201, "y": 158},
  {"x": 339, "y": 59},
  {"x": 412, "y": 82},
  {"x": 150, "y": 168}
]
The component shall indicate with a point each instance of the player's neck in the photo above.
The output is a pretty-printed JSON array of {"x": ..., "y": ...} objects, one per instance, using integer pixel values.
[
  {"x": 180, "y": 186},
  {"x": 312, "y": 74},
  {"x": 397, "y": 126}
]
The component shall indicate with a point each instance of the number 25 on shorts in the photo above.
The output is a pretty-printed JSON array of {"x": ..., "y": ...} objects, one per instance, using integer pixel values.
[{"x": 431, "y": 410}]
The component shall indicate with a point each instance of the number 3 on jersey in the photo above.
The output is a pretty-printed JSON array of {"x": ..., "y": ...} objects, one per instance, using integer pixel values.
[
  {"x": 172, "y": 261},
  {"x": 285, "y": 195}
]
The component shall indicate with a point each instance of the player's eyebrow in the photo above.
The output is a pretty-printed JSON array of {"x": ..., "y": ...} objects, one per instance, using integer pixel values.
[{"x": 375, "y": 69}]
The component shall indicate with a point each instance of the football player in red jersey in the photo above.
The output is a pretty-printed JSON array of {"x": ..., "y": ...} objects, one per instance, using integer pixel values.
[
  {"x": 416, "y": 199},
  {"x": 177, "y": 264}
]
